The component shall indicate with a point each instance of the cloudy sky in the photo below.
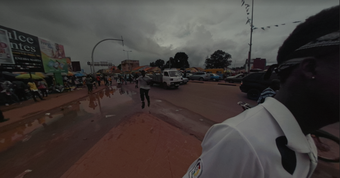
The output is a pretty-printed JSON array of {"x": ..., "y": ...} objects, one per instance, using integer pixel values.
[{"x": 159, "y": 29}]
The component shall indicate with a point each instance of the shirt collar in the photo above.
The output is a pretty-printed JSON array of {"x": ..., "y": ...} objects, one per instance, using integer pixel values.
[{"x": 297, "y": 141}]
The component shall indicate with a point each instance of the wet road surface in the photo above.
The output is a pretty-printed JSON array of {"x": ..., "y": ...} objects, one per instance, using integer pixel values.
[{"x": 50, "y": 143}]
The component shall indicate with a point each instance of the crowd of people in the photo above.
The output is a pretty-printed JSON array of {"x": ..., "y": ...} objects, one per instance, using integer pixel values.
[
  {"x": 17, "y": 91},
  {"x": 90, "y": 81}
]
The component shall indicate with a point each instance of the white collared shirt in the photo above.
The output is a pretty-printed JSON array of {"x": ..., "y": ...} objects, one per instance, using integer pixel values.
[{"x": 262, "y": 142}]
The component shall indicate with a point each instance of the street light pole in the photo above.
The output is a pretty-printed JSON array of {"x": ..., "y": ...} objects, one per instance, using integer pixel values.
[
  {"x": 127, "y": 53},
  {"x": 251, "y": 34},
  {"x": 97, "y": 45}
]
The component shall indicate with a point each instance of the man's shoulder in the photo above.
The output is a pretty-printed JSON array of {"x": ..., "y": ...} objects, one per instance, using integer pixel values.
[{"x": 254, "y": 121}]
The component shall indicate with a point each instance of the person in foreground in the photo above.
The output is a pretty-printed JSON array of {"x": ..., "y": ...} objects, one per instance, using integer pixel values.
[{"x": 273, "y": 139}]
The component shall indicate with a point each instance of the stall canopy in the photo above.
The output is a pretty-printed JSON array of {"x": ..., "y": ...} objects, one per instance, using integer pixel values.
[
  {"x": 191, "y": 69},
  {"x": 229, "y": 71},
  {"x": 28, "y": 76},
  {"x": 153, "y": 69},
  {"x": 137, "y": 69}
]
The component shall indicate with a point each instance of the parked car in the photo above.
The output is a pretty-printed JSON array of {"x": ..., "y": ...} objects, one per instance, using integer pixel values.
[
  {"x": 254, "y": 83},
  {"x": 188, "y": 75},
  {"x": 200, "y": 76},
  {"x": 184, "y": 81},
  {"x": 236, "y": 78},
  {"x": 214, "y": 77}
]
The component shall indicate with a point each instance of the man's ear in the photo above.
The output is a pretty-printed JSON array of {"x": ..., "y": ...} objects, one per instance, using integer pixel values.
[{"x": 307, "y": 68}]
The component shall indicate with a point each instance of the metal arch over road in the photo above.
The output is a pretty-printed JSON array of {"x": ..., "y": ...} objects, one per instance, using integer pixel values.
[{"x": 92, "y": 68}]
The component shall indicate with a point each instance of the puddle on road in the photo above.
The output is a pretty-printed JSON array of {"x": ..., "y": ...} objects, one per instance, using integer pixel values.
[{"x": 93, "y": 104}]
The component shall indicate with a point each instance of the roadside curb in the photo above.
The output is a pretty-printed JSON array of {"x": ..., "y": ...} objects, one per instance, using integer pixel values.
[
  {"x": 196, "y": 82},
  {"x": 226, "y": 84},
  {"x": 5, "y": 124}
]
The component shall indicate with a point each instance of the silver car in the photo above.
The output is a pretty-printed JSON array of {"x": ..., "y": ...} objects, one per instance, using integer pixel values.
[
  {"x": 200, "y": 76},
  {"x": 236, "y": 78}
]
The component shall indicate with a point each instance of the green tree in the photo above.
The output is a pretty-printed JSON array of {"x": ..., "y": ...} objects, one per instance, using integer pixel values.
[
  {"x": 159, "y": 63},
  {"x": 219, "y": 59},
  {"x": 119, "y": 66},
  {"x": 170, "y": 63},
  {"x": 181, "y": 60},
  {"x": 152, "y": 64}
]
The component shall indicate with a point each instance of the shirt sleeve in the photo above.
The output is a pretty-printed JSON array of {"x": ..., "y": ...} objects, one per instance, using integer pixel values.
[{"x": 225, "y": 153}]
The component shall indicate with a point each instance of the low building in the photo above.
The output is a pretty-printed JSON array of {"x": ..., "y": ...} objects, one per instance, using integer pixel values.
[
  {"x": 257, "y": 63},
  {"x": 128, "y": 65}
]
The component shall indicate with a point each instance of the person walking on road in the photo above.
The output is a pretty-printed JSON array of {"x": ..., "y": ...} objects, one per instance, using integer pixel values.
[
  {"x": 98, "y": 80},
  {"x": 8, "y": 93},
  {"x": 109, "y": 79},
  {"x": 34, "y": 90},
  {"x": 89, "y": 83},
  {"x": 130, "y": 78},
  {"x": 125, "y": 79},
  {"x": 144, "y": 88},
  {"x": 20, "y": 90},
  {"x": 106, "y": 81},
  {"x": 119, "y": 80},
  {"x": 42, "y": 86},
  {"x": 273, "y": 139}
]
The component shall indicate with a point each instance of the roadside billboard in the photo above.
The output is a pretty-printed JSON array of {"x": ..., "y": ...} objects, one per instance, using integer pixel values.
[
  {"x": 53, "y": 57},
  {"x": 25, "y": 51},
  {"x": 6, "y": 56}
]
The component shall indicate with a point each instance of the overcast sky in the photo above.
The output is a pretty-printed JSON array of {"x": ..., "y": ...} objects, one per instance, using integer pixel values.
[{"x": 159, "y": 29}]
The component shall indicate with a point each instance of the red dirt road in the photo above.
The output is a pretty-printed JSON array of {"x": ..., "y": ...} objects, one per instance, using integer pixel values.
[
  {"x": 107, "y": 134},
  {"x": 143, "y": 146}
]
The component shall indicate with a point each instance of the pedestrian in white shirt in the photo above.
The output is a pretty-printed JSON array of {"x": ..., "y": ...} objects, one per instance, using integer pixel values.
[
  {"x": 272, "y": 140},
  {"x": 144, "y": 88}
]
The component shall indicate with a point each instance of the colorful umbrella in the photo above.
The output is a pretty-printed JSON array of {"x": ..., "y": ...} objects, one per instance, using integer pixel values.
[
  {"x": 27, "y": 76},
  {"x": 40, "y": 74},
  {"x": 79, "y": 75}
]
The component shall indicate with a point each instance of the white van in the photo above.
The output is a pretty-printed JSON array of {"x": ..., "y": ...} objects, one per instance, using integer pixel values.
[{"x": 168, "y": 78}]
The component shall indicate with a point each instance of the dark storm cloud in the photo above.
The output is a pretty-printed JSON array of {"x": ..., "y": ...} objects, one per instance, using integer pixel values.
[{"x": 158, "y": 29}]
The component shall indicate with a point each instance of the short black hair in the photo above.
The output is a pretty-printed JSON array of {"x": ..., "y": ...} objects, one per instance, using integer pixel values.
[{"x": 323, "y": 23}]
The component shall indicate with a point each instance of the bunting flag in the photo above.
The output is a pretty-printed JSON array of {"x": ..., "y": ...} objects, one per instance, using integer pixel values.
[
  {"x": 267, "y": 27},
  {"x": 264, "y": 27},
  {"x": 247, "y": 11}
]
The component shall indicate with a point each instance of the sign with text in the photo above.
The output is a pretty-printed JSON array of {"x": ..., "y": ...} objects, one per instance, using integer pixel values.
[
  {"x": 53, "y": 57},
  {"x": 25, "y": 51},
  {"x": 101, "y": 63}
]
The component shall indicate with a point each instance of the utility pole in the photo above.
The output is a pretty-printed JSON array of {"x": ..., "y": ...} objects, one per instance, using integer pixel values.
[
  {"x": 98, "y": 44},
  {"x": 251, "y": 35}
]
